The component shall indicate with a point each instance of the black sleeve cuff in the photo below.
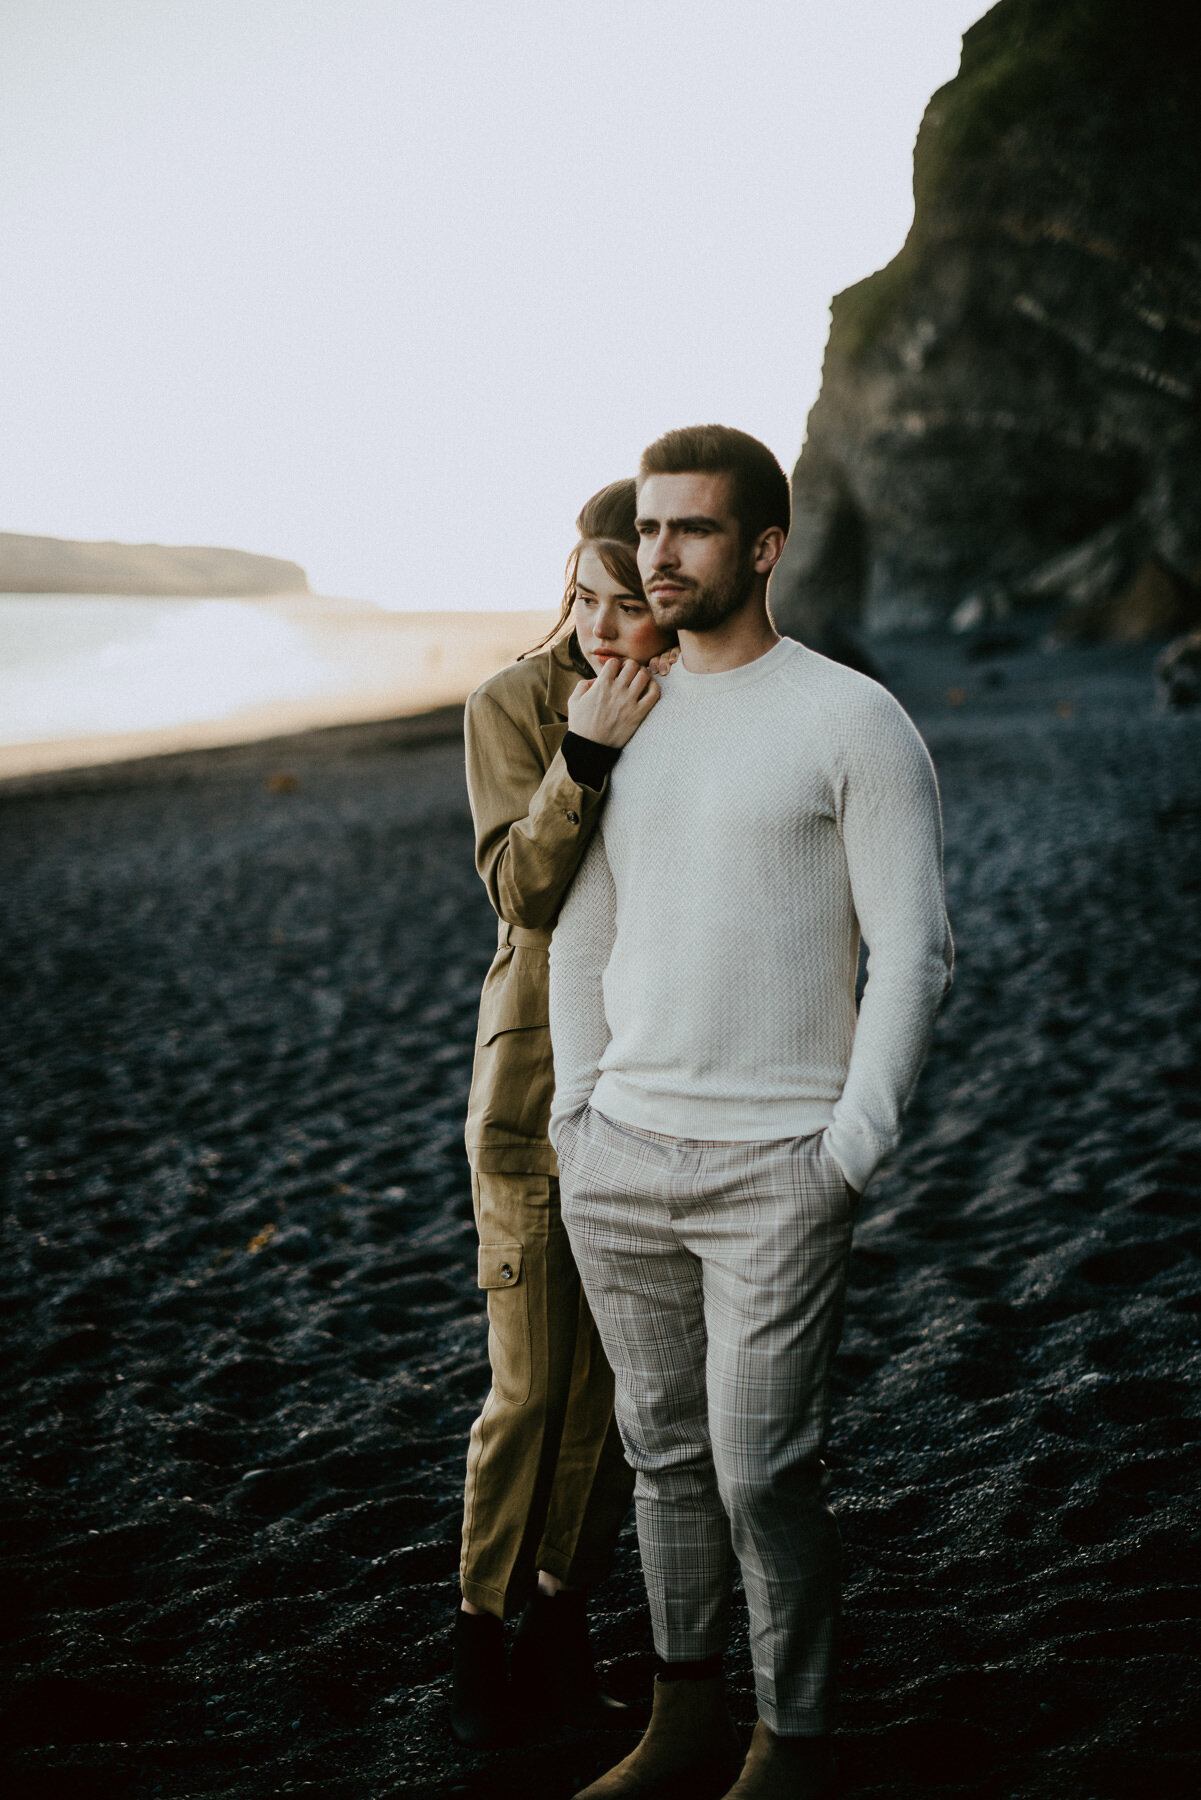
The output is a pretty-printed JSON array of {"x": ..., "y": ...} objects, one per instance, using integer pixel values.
[{"x": 587, "y": 762}]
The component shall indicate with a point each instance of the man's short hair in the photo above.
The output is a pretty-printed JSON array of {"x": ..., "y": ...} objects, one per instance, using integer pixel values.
[{"x": 759, "y": 496}]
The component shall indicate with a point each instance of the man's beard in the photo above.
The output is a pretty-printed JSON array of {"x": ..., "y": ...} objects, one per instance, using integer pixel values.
[{"x": 702, "y": 608}]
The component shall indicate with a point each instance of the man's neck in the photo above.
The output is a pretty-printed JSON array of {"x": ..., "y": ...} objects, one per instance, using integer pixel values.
[{"x": 743, "y": 638}]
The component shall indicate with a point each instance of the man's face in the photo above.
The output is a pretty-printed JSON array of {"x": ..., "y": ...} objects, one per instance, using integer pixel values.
[{"x": 690, "y": 554}]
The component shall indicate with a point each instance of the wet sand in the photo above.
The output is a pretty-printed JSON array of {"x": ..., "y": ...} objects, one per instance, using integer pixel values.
[{"x": 244, "y": 1345}]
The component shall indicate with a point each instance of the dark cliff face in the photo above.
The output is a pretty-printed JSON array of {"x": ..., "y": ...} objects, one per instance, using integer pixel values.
[{"x": 1010, "y": 410}]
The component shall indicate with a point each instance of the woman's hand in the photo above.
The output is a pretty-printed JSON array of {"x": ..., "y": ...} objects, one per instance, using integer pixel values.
[
  {"x": 610, "y": 708},
  {"x": 659, "y": 665}
]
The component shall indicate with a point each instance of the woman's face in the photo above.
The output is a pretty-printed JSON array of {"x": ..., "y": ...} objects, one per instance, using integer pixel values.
[{"x": 609, "y": 620}]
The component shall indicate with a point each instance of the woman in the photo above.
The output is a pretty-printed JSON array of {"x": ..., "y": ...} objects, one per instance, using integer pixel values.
[{"x": 547, "y": 1484}]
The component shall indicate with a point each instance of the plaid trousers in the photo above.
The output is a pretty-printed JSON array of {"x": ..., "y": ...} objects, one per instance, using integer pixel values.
[{"x": 716, "y": 1274}]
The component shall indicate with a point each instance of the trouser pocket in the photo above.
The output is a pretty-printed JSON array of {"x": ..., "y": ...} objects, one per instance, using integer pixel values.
[{"x": 827, "y": 1160}]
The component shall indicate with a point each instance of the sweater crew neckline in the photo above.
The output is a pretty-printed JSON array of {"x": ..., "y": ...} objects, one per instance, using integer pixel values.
[{"x": 720, "y": 681}]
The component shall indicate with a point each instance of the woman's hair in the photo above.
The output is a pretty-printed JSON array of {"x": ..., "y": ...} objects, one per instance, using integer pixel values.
[
  {"x": 611, "y": 513},
  {"x": 619, "y": 562},
  {"x": 606, "y": 525}
]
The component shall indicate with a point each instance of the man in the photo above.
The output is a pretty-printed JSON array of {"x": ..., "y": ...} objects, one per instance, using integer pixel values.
[{"x": 719, "y": 1106}]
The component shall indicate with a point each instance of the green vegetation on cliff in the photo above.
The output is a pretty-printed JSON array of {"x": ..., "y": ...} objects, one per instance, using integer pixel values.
[
  {"x": 1010, "y": 412},
  {"x": 1031, "y": 60}
]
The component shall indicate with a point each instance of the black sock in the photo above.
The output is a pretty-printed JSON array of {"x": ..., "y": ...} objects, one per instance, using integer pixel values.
[{"x": 705, "y": 1670}]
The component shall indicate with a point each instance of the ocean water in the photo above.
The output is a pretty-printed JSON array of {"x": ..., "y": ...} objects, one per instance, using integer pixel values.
[
  {"x": 79, "y": 665},
  {"x": 86, "y": 677}
]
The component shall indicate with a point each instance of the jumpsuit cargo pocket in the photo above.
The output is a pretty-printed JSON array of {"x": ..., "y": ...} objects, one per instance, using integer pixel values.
[
  {"x": 511, "y": 1085},
  {"x": 509, "y": 1347},
  {"x": 513, "y": 1077}
]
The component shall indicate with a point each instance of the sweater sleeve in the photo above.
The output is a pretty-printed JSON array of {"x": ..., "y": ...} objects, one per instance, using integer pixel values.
[
  {"x": 587, "y": 761},
  {"x": 892, "y": 835},
  {"x": 579, "y": 955},
  {"x": 532, "y": 825}
]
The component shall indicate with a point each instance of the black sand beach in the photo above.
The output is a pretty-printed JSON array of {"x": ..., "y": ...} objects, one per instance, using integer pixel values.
[{"x": 244, "y": 1343}]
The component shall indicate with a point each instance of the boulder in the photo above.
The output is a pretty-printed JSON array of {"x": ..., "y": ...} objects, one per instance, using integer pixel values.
[{"x": 1178, "y": 674}]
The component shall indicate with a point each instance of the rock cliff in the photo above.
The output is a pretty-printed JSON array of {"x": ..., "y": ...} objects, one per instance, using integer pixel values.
[
  {"x": 41, "y": 565},
  {"x": 1009, "y": 410}
]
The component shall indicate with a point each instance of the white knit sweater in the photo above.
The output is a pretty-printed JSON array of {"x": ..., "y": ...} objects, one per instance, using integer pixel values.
[{"x": 703, "y": 966}]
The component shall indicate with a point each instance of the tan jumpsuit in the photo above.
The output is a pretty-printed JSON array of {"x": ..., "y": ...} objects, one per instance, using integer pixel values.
[{"x": 547, "y": 1483}]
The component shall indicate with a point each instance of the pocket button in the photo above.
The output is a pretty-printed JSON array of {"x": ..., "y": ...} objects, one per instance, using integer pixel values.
[{"x": 506, "y": 1271}]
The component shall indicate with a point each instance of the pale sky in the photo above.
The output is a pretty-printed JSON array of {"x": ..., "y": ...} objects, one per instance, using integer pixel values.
[{"x": 390, "y": 287}]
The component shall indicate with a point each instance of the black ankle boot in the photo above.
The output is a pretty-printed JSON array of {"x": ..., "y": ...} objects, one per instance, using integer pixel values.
[
  {"x": 480, "y": 1713},
  {"x": 553, "y": 1680}
]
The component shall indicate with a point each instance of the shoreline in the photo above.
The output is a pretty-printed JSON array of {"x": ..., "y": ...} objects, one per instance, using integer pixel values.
[
  {"x": 922, "y": 668},
  {"x": 373, "y": 666}
]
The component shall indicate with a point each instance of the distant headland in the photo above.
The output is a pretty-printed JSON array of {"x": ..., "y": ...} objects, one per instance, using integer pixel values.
[{"x": 44, "y": 565}]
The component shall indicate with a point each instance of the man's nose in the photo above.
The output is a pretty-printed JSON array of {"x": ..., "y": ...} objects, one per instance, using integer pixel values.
[{"x": 663, "y": 551}]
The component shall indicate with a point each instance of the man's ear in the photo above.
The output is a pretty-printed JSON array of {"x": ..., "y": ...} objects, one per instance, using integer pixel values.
[{"x": 767, "y": 550}]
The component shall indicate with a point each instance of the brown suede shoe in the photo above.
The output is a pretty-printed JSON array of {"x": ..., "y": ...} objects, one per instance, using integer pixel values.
[
  {"x": 776, "y": 1768},
  {"x": 690, "y": 1746}
]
